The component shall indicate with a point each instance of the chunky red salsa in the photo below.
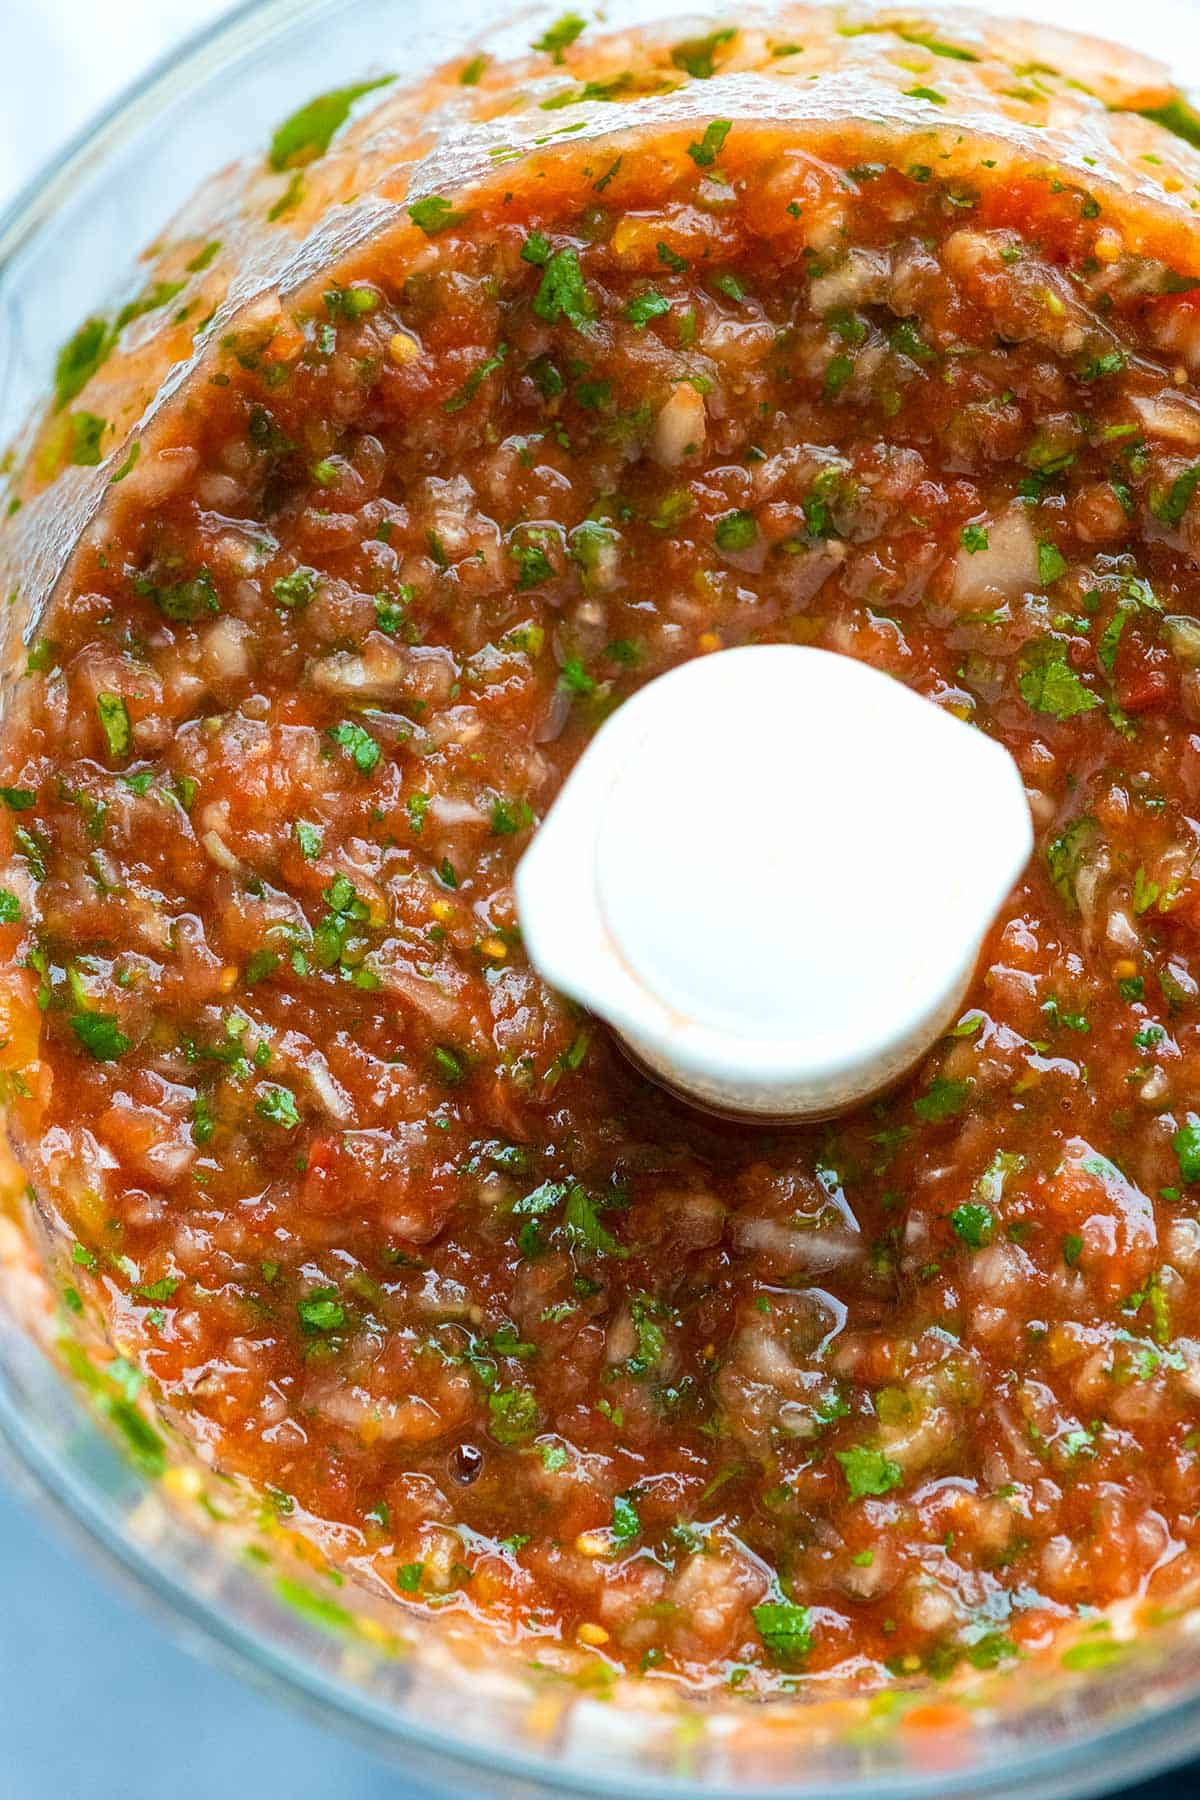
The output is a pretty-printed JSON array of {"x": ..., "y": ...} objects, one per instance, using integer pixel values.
[{"x": 392, "y": 1230}]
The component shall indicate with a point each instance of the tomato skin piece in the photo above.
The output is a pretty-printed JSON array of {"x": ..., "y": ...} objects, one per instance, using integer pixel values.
[
  {"x": 319, "y": 1191},
  {"x": 1148, "y": 690}
]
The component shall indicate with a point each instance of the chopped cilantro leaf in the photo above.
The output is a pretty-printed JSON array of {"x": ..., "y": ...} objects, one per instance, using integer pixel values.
[
  {"x": 309, "y": 132},
  {"x": 942, "y": 1099},
  {"x": 358, "y": 744},
  {"x": 434, "y": 214},
  {"x": 563, "y": 292},
  {"x": 278, "y": 1104},
  {"x": 736, "y": 531},
  {"x": 1051, "y": 564},
  {"x": 627, "y": 1524},
  {"x": 644, "y": 307},
  {"x": 575, "y": 678},
  {"x": 79, "y": 359},
  {"x": 1186, "y": 1145},
  {"x": 100, "y": 1035},
  {"x": 466, "y": 393},
  {"x": 537, "y": 249},
  {"x": 309, "y": 839},
  {"x": 321, "y": 1310},
  {"x": 561, "y": 35},
  {"x": 974, "y": 1224},
  {"x": 1109, "y": 364},
  {"x": 86, "y": 431},
  {"x": 838, "y": 371},
  {"x": 1170, "y": 507},
  {"x": 296, "y": 589},
  {"x": 1048, "y": 683},
  {"x": 114, "y": 721},
  {"x": 157, "y": 1290},
  {"x": 784, "y": 1628},
  {"x": 695, "y": 55},
  {"x": 511, "y": 816},
  {"x": 705, "y": 153},
  {"x": 449, "y": 1065},
  {"x": 583, "y": 1229},
  {"x": 513, "y": 1415},
  {"x": 868, "y": 1471}
]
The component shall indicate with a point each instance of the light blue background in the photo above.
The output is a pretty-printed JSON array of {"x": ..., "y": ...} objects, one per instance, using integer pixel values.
[{"x": 97, "y": 1703}]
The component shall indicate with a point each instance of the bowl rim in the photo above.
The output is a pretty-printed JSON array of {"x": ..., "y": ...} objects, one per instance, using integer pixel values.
[{"x": 1151, "y": 1741}]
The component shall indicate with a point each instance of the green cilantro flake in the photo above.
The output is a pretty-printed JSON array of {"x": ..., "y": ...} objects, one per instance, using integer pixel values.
[
  {"x": 511, "y": 816},
  {"x": 1170, "y": 507},
  {"x": 278, "y": 1105},
  {"x": 434, "y": 214},
  {"x": 128, "y": 465},
  {"x": 784, "y": 1628},
  {"x": 1110, "y": 364},
  {"x": 1051, "y": 564},
  {"x": 1186, "y": 1145},
  {"x": 736, "y": 531},
  {"x": 563, "y": 293},
  {"x": 321, "y": 1310},
  {"x": 79, "y": 359},
  {"x": 644, "y": 307},
  {"x": 942, "y": 1099},
  {"x": 296, "y": 589},
  {"x": 627, "y": 1524},
  {"x": 100, "y": 1035},
  {"x": 838, "y": 371},
  {"x": 308, "y": 839},
  {"x": 449, "y": 1065},
  {"x": 974, "y": 1224},
  {"x": 358, "y": 744},
  {"x": 560, "y": 36},
  {"x": 309, "y": 132},
  {"x": 868, "y": 1471},
  {"x": 513, "y": 1415},
  {"x": 86, "y": 431},
  {"x": 114, "y": 720},
  {"x": 695, "y": 55},
  {"x": 466, "y": 393},
  {"x": 582, "y": 1226},
  {"x": 1048, "y": 683},
  {"x": 705, "y": 153}
]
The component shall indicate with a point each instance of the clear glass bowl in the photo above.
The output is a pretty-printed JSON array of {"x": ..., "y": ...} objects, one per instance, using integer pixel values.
[{"x": 192, "y": 1550}]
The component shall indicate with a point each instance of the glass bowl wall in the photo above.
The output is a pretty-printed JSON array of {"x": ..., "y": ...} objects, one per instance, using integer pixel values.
[{"x": 196, "y": 1554}]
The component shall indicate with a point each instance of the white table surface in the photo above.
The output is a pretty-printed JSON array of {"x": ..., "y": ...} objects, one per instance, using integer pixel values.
[{"x": 95, "y": 1702}]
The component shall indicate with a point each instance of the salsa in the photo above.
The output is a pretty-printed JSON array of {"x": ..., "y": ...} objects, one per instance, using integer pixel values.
[{"x": 394, "y": 1232}]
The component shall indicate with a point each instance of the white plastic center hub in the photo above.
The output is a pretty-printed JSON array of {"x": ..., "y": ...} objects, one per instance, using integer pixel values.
[{"x": 772, "y": 872}]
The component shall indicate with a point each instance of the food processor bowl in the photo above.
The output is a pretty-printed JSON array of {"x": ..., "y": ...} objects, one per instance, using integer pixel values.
[{"x": 225, "y": 1572}]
